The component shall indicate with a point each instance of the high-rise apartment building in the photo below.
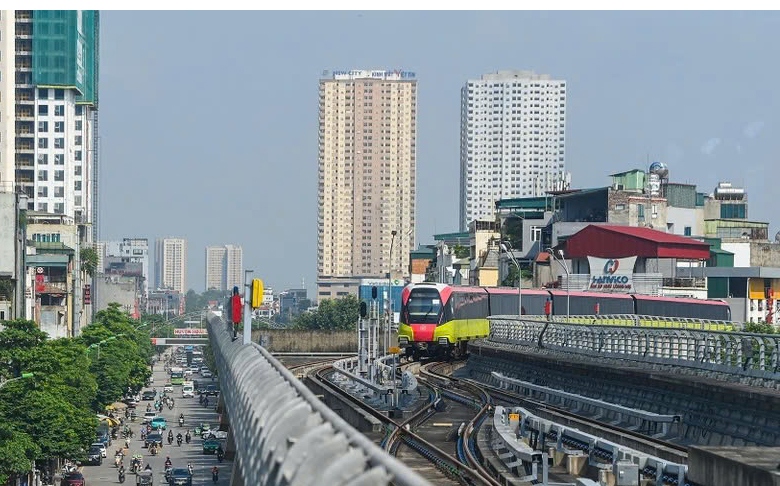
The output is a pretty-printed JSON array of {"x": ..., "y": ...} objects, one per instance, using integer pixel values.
[
  {"x": 170, "y": 264},
  {"x": 367, "y": 177},
  {"x": 224, "y": 267},
  {"x": 512, "y": 140}
]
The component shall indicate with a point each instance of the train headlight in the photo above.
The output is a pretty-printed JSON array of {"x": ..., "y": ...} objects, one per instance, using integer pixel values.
[
  {"x": 403, "y": 341},
  {"x": 443, "y": 341}
]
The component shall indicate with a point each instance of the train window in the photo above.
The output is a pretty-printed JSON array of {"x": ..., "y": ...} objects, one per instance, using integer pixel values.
[{"x": 424, "y": 306}]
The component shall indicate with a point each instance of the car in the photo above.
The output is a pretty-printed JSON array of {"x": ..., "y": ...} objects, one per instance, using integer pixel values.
[
  {"x": 73, "y": 479},
  {"x": 159, "y": 423},
  {"x": 210, "y": 446},
  {"x": 144, "y": 478},
  {"x": 214, "y": 434},
  {"x": 148, "y": 395},
  {"x": 102, "y": 447},
  {"x": 206, "y": 373},
  {"x": 188, "y": 372},
  {"x": 168, "y": 388},
  {"x": 148, "y": 416},
  {"x": 155, "y": 438},
  {"x": 211, "y": 391},
  {"x": 95, "y": 456},
  {"x": 180, "y": 476},
  {"x": 194, "y": 369},
  {"x": 104, "y": 437}
]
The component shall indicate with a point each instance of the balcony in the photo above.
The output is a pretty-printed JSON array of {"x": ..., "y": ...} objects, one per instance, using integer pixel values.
[
  {"x": 685, "y": 282},
  {"x": 52, "y": 288}
]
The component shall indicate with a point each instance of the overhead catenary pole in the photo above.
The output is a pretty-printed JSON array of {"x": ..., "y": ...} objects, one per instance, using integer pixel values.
[{"x": 247, "y": 307}]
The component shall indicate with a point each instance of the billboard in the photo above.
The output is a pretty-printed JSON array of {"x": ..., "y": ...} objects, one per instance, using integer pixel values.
[{"x": 611, "y": 274}]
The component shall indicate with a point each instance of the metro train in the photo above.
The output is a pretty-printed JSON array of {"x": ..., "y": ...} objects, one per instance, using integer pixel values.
[{"x": 439, "y": 319}]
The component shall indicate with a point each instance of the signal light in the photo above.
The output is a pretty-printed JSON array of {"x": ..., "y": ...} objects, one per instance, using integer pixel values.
[{"x": 257, "y": 293}]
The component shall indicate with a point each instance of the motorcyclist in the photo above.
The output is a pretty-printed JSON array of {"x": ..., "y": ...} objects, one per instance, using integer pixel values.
[
  {"x": 187, "y": 437},
  {"x": 189, "y": 468},
  {"x": 215, "y": 473},
  {"x": 148, "y": 467},
  {"x": 121, "y": 474},
  {"x": 178, "y": 438},
  {"x": 220, "y": 453}
]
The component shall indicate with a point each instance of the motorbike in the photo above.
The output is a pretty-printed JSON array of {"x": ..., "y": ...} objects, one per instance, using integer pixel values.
[
  {"x": 181, "y": 422},
  {"x": 220, "y": 456},
  {"x": 168, "y": 470},
  {"x": 121, "y": 477},
  {"x": 170, "y": 439},
  {"x": 178, "y": 441},
  {"x": 187, "y": 438},
  {"x": 153, "y": 451},
  {"x": 215, "y": 476}
]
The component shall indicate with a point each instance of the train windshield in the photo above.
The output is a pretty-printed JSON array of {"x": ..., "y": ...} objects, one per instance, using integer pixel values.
[{"x": 423, "y": 307}]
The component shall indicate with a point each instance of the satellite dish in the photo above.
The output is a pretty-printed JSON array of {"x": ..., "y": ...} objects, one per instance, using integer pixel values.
[{"x": 777, "y": 237}]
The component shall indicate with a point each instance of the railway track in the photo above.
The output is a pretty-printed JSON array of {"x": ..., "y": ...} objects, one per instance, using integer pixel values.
[
  {"x": 662, "y": 449},
  {"x": 448, "y": 469}
]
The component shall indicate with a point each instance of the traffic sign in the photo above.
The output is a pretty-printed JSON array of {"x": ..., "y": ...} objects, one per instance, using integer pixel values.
[
  {"x": 394, "y": 350},
  {"x": 39, "y": 270}
]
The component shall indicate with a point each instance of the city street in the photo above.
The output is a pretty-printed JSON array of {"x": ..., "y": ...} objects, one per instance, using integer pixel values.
[{"x": 192, "y": 453}]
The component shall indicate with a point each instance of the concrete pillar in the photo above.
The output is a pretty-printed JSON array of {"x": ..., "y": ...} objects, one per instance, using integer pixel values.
[
  {"x": 576, "y": 464},
  {"x": 235, "y": 476}
]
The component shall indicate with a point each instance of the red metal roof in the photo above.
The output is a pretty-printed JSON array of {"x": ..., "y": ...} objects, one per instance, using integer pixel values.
[{"x": 615, "y": 241}]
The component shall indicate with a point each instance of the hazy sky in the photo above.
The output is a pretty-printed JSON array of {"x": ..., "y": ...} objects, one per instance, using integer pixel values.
[{"x": 208, "y": 120}]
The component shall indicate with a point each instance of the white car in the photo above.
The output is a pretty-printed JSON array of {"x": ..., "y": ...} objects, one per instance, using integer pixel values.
[
  {"x": 206, "y": 374},
  {"x": 168, "y": 388},
  {"x": 148, "y": 416},
  {"x": 102, "y": 446},
  {"x": 188, "y": 372}
]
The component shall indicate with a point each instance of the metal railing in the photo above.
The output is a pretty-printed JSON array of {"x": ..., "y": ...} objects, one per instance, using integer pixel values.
[
  {"x": 739, "y": 356},
  {"x": 284, "y": 435}
]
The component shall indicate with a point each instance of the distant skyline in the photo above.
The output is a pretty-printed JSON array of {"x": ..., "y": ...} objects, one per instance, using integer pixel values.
[{"x": 214, "y": 137}]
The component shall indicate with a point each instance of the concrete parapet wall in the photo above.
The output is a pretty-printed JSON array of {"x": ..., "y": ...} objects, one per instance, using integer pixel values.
[
  {"x": 289, "y": 341},
  {"x": 731, "y": 466},
  {"x": 358, "y": 419}
]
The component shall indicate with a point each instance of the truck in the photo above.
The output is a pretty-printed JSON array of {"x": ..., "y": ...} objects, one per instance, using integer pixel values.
[{"x": 188, "y": 389}]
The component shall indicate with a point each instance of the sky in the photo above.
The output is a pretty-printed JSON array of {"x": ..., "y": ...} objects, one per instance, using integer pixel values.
[{"x": 208, "y": 120}]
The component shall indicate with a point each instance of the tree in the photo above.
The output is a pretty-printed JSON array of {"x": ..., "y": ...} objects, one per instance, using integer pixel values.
[
  {"x": 461, "y": 251},
  {"x": 759, "y": 327},
  {"x": 17, "y": 452},
  {"x": 89, "y": 260},
  {"x": 331, "y": 315}
]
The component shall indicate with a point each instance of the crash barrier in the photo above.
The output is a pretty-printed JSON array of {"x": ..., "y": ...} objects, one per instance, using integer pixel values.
[
  {"x": 516, "y": 429},
  {"x": 630, "y": 418},
  {"x": 379, "y": 378},
  {"x": 284, "y": 435},
  {"x": 739, "y": 356}
]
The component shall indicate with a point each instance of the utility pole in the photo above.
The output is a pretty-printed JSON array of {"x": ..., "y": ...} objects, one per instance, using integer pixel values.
[{"x": 247, "y": 307}]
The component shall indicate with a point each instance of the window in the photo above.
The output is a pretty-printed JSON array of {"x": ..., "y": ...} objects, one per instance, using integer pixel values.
[
  {"x": 78, "y": 125},
  {"x": 43, "y": 207},
  {"x": 59, "y": 191},
  {"x": 77, "y": 154},
  {"x": 43, "y": 110},
  {"x": 620, "y": 207},
  {"x": 59, "y": 143},
  {"x": 43, "y": 93},
  {"x": 77, "y": 170},
  {"x": 77, "y": 201},
  {"x": 43, "y": 126},
  {"x": 687, "y": 231},
  {"x": 59, "y": 208},
  {"x": 59, "y": 110},
  {"x": 59, "y": 175},
  {"x": 43, "y": 159},
  {"x": 59, "y": 94},
  {"x": 59, "y": 127},
  {"x": 733, "y": 211},
  {"x": 43, "y": 143},
  {"x": 79, "y": 110},
  {"x": 43, "y": 175},
  {"x": 536, "y": 233},
  {"x": 59, "y": 159},
  {"x": 77, "y": 186},
  {"x": 43, "y": 191},
  {"x": 640, "y": 210},
  {"x": 78, "y": 140}
]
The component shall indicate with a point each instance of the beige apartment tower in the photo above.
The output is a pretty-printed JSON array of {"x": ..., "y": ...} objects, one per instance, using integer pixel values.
[
  {"x": 224, "y": 267},
  {"x": 367, "y": 178},
  {"x": 170, "y": 264}
]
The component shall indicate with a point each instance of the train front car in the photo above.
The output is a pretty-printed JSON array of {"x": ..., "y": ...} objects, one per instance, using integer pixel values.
[
  {"x": 438, "y": 320},
  {"x": 422, "y": 311}
]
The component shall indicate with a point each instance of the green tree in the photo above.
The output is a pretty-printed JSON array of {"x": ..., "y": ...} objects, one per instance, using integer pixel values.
[
  {"x": 461, "y": 251},
  {"x": 89, "y": 260},
  {"x": 331, "y": 315},
  {"x": 759, "y": 327},
  {"x": 17, "y": 452}
]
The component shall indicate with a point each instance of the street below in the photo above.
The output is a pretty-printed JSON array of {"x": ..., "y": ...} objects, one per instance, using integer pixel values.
[{"x": 192, "y": 453}]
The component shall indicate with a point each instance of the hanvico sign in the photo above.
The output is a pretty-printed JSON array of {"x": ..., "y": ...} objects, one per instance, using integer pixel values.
[{"x": 611, "y": 274}]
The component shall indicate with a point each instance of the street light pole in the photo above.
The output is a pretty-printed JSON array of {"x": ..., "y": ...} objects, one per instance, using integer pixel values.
[
  {"x": 504, "y": 248},
  {"x": 23, "y": 376},
  {"x": 247, "y": 307}
]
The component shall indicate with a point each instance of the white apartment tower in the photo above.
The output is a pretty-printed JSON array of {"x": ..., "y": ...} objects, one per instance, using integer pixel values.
[
  {"x": 512, "y": 140},
  {"x": 224, "y": 267},
  {"x": 7, "y": 105},
  {"x": 170, "y": 264},
  {"x": 367, "y": 177}
]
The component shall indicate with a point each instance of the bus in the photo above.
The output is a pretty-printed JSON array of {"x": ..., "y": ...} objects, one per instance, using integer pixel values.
[{"x": 177, "y": 376}]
